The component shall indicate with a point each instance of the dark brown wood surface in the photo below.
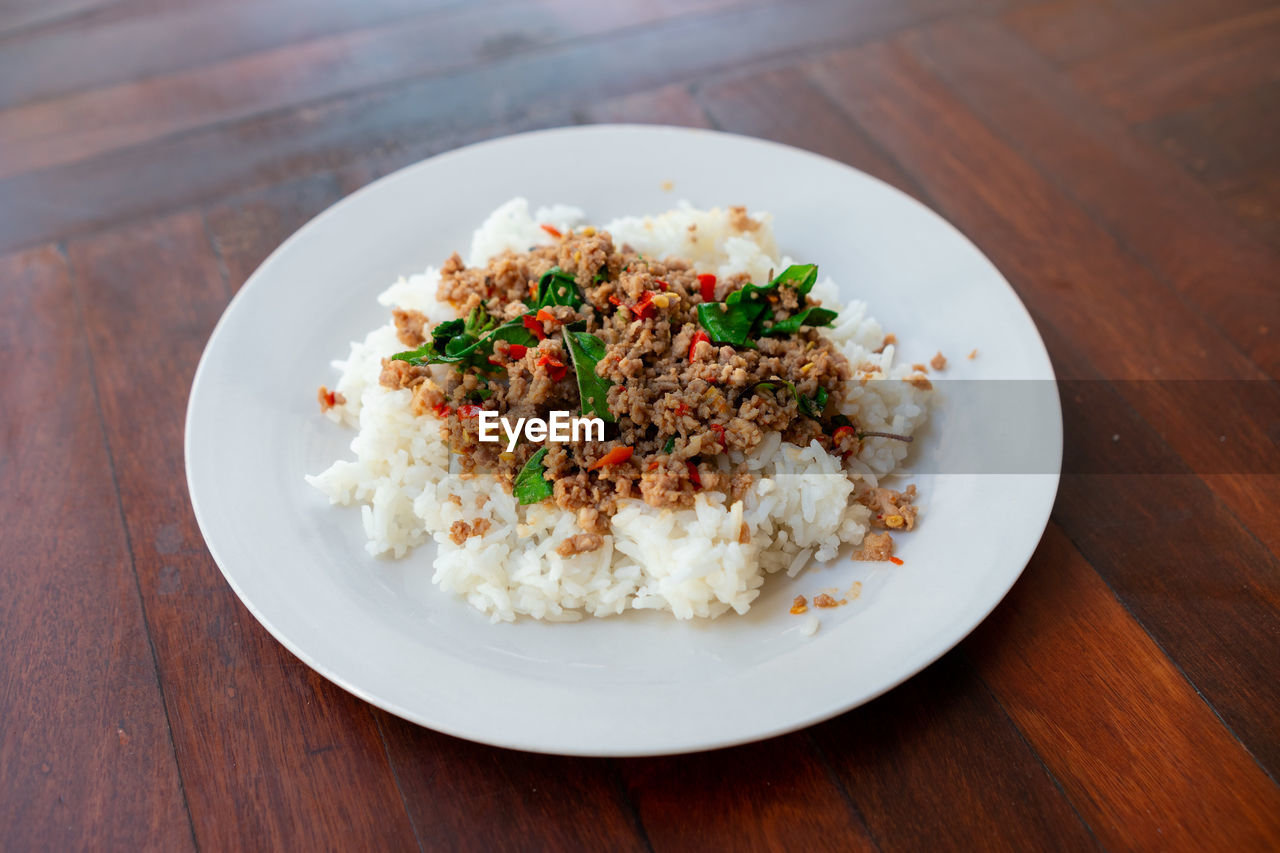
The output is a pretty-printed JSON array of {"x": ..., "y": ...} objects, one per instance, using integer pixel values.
[{"x": 1119, "y": 160}]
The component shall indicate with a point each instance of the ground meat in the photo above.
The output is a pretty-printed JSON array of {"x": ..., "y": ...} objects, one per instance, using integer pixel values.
[
  {"x": 410, "y": 326},
  {"x": 328, "y": 399},
  {"x": 740, "y": 221},
  {"x": 825, "y": 600},
  {"x": 676, "y": 403},
  {"x": 876, "y": 547},
  {"x": 401, "y": 374},
  {"x": 459, "y": 531},
  {"x": 799, "y": 605},
  {"x": 938, "y": 362},
  {"x": 893, "y": 510},
  {"x": 580, "y": 544},
  {"x": 919, "y": 380}
]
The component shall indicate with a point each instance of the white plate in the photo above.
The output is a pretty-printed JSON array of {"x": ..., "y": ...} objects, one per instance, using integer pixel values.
[{"x": 643, "y": 683}]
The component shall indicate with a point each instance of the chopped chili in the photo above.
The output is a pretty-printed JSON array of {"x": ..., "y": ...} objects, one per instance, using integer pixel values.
[
  {"x": 662, "y": 285},
  {"x": 555, "y": 367},
  {"x": 517, "y": 350},
  {"x": 534, "y": 327},
  {"x": 841, "y": 431},
  {"x": 645, "y": 308},
  {"x": 718, "y": 429},
  {"x": 693, "y": 474},
  {"x": 895, "y": 561},
  {"x": 442, "y": 410},
  {"x": 553, "y": 231},
  {"x": 693, "y": 345},
  {"x": 545, "y": 316},
  {"x": 470, "y": 410},
  {"x": 614, "y": 457},
  {"x": 653, "y": 465},
  {"x": 707, "y": 286}
]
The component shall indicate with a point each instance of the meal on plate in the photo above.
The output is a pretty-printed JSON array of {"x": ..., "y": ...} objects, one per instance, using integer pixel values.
[{"x": 651, "y": 414}]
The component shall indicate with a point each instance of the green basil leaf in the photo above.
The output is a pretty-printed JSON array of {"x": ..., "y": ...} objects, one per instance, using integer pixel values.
[
  {"x": 809, "y": 406},
  {"x": 800, "y": 276},
  {"x": 670, "y": 445},
  {"x": 478, "y": 322},
  {"x": 587, "y": 350},
  {"x": 557, "y": 287},
  {"x": 451, "y": 344},
  {"x": 812, "y": 315},
  {"x": 730, "y": 323},
  {"x": 531, "y": 486}
]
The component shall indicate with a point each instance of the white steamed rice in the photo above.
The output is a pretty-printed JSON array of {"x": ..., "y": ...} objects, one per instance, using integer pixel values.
[{"x": 688, "y": 562}]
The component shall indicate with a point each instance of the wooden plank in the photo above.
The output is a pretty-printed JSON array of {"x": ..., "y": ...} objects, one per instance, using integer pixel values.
[
  {"x": 1142, "y": 198},
  {"x": 766, "y": 104},
  {"x": 466, "y": 796},
  {"x": 1143, "y": 758},
  {"x": 259, "y": 736},
  {"x": 1228, "y": 144},
  {"x": 1257, "y": 205},
  {"x": 20, "y": 16},
  {"x": 428, "y": 115},
  {"x": 667, "y": 105},
  {"x": 152, "y": 39},
  {"x": 86, "y": 757},
  {"x": 247, "y": 227},
  {"x": 1064, "y": 265},
  {"x": 1071, "y": 31},
  {"x": 941, "y": 746},
  {"x": 773, "y": 795},
  {"x": 1158, "y": 76},
  {"x": 90, "y": 123}
]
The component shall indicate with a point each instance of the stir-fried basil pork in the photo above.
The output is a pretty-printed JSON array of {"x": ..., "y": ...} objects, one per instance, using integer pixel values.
[{"x": 683, "y": 367}]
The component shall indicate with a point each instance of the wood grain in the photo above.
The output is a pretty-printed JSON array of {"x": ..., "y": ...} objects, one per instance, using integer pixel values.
[
  {"x": 1158, "y": 76},
  {"x": 258, "y": 735},
  {"x": 1116, "y": 160},
  {"x": 1146, "y": 762},
  {"x": 86, "y": 758},
  {"x": 1037, "y": 228},
  {"x": 924, "y": 747},
  {"x": 794, "y": 805},
  {"x": 1218, "y": 267}
]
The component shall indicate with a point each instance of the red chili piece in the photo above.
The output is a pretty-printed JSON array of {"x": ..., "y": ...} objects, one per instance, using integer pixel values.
[
  {"x": 895, "y": 561},
  {"x": 693, "y": 345},
  {"x": 614, "y": 457},
  {"x": 707, "y": 285},
  {"x": 534, "y": 327},
  {"x": 662, "y": 285},
  {"x": 442, "y": 410},
  {"x": 517, "y": 350},
  {"x": 555, "y": 367},
  {"x": 718, "y": 429},
  {"x": 554, "y": 232},
  {"x": 693, "y": 474},
  {"x": 470, "y": 410},
  {"x": 645, "y": 308}
]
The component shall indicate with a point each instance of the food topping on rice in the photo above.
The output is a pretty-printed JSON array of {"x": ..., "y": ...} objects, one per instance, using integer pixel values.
[
  {"x": 682, "y": 367},
  {"x": 739, "y": 418}
]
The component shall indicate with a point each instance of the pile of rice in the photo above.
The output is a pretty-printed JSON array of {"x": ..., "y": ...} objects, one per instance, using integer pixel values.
[{"x": 688, "y": 562}]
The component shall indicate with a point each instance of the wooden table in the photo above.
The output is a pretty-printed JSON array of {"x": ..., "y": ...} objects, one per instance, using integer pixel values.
[{"x": 1118, "y": 162}]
